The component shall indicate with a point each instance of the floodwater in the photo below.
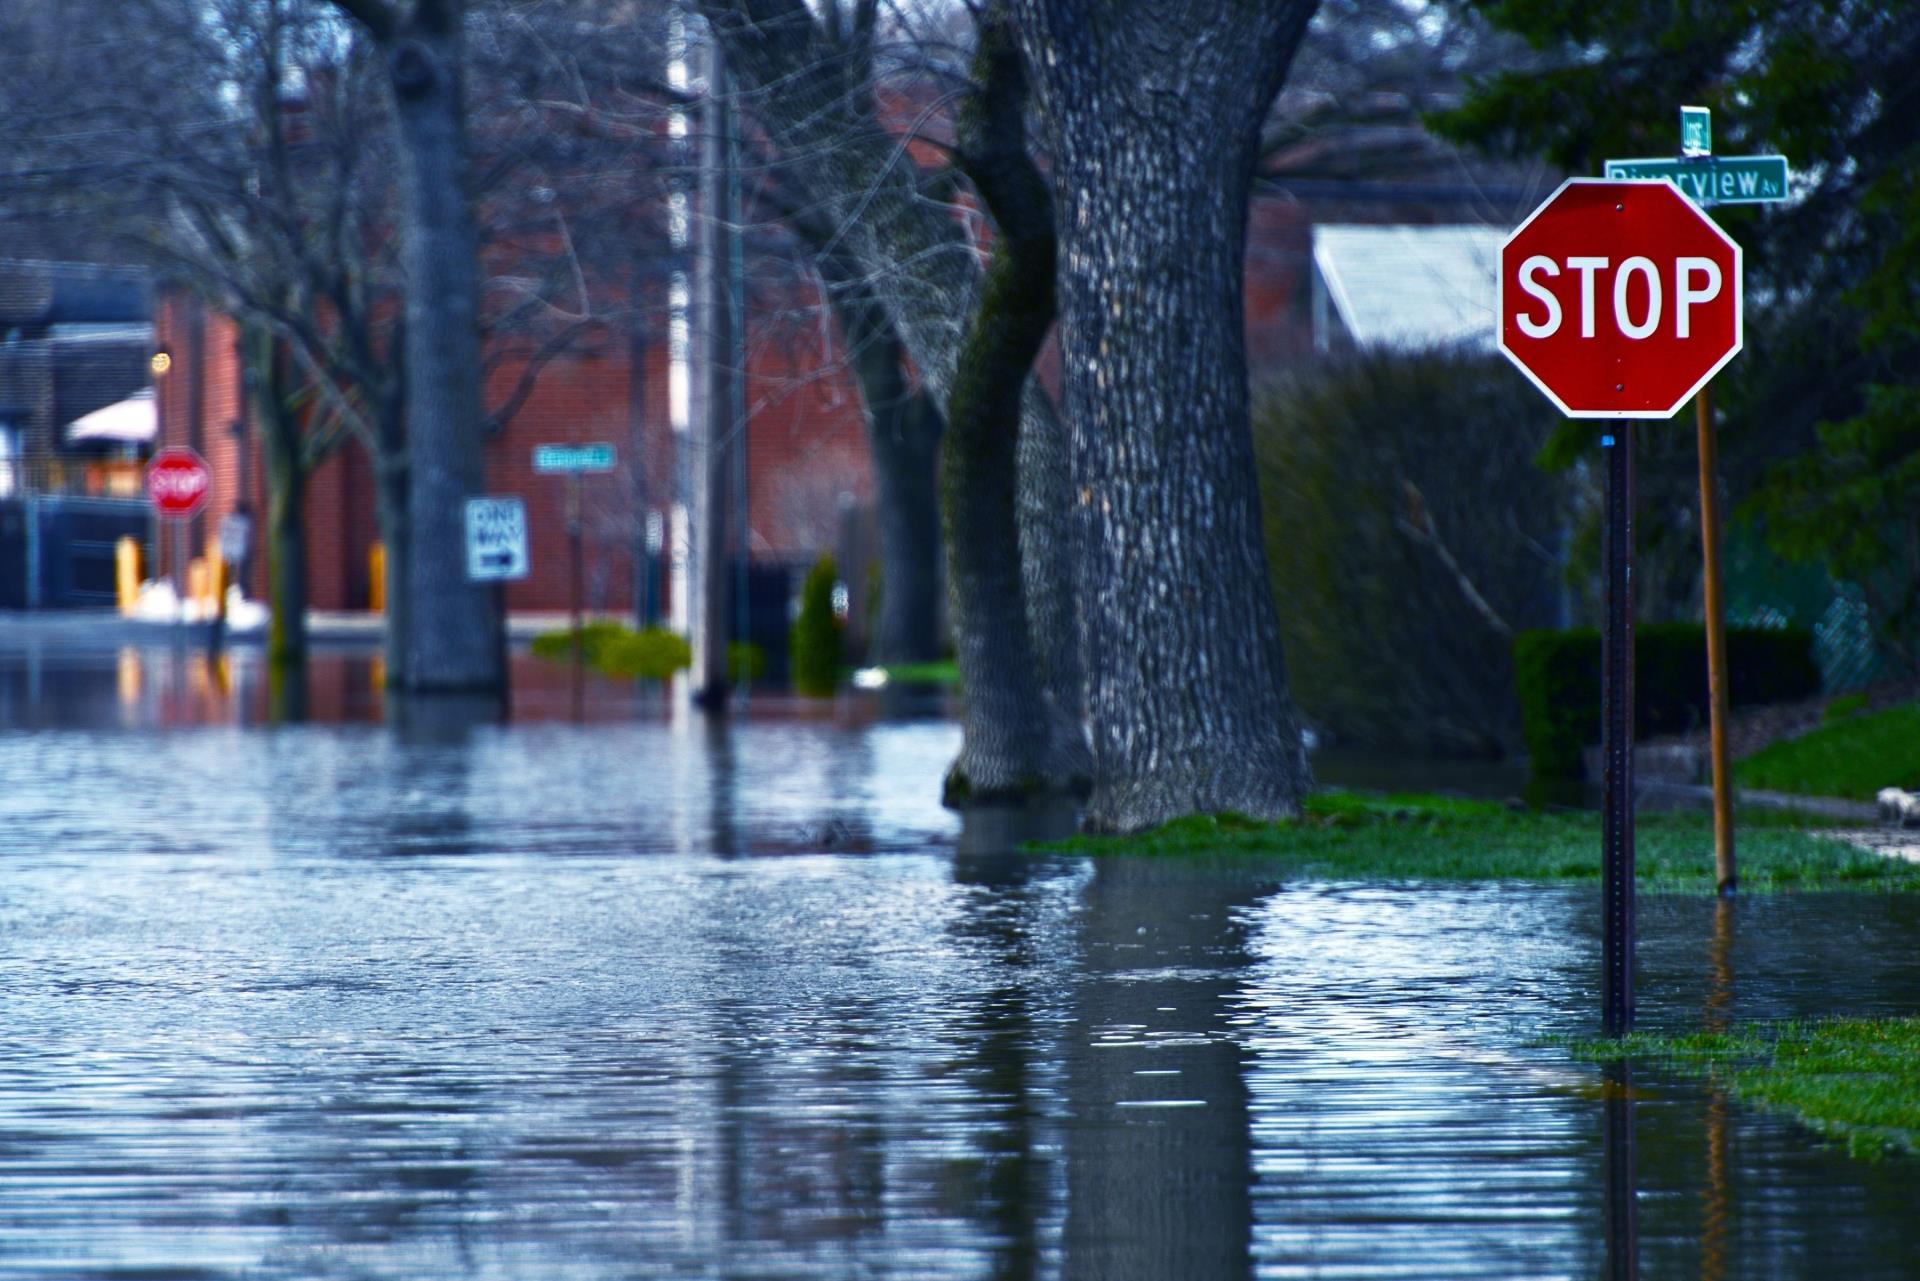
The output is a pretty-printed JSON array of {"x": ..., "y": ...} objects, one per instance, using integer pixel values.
[{"x": 620, "y": 997}]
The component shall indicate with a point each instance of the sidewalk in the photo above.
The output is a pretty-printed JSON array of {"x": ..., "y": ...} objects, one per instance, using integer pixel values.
[{"x": 326, "y": 629}]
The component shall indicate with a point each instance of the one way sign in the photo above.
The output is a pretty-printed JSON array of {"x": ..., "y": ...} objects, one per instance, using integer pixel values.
[{"x": 496, "y": 539}]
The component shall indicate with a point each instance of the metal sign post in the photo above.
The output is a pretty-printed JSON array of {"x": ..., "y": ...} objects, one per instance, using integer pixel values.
[
  {"x": 497, "y": 554},
  {"x": 1673, "y": 279},
  {"x": 1616, "y": 740},
  {"x": 572, "y": 461}
]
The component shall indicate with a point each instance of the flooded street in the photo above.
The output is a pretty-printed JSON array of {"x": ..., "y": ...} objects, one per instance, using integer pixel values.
[{"x": 626, "y": 997}]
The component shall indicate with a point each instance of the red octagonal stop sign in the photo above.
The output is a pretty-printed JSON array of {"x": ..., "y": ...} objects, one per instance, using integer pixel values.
[
  {"x": 177, "y": 481},
  {"x": 1619, "y": 298}
]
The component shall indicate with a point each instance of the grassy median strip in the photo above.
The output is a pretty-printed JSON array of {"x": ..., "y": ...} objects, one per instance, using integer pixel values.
[
  {"x": 1417, "y": 836},
  {"x": 939, "y": 672},
  {"x": 1856, "y": 1080},
  {"x": 1854, "y": 757}
]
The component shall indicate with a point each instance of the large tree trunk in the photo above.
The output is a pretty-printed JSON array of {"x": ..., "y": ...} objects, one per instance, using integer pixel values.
[
  {"x": 1154, "y": 115},
  {"x": 451, "y": 638},
  {"x": 1008, "y": 731},
  {"x": 286, "y": 547},
  {"x": 282, "y": 452},
  {"x": 812, "y": 92}
]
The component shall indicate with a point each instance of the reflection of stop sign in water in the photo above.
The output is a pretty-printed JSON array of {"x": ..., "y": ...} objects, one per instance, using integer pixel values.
[
  {"x": 177, "y": 482},
  {"x": 1620, "y": 299}
]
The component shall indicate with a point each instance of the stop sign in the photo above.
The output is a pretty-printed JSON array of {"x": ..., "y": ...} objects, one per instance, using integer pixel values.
[
  {"x": 1619, "y": 298},
  {"x": 177, "y": 482}
]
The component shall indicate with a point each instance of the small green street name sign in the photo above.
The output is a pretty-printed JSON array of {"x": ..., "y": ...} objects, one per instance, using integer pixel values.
[
  {"x": 563, "y": 458},
  {"x": 1714, "y": 180}
]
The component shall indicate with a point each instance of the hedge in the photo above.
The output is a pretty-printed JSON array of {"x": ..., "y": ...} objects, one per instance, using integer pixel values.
[
  {"x": 1557, "y": 677},
  {"x": 814, "y": 639},
  {"x": 1390, "y": 483}
]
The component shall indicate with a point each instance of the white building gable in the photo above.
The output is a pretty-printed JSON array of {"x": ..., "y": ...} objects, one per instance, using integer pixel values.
[{"x": 1404, "y": 286}]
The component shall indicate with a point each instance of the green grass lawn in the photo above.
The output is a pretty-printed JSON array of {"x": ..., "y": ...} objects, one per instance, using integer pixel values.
[
  {"x": 1352, "y": 836},
  {"x": 1857, "y": 1080},
  {"x": 942, "y": 672},
  {"x": 1854, "y": 757}
]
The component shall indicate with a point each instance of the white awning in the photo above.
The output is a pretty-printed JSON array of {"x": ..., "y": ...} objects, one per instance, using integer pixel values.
[
  {"x": 133, "y": 421},
  {"x": 1409, "y": 286}
]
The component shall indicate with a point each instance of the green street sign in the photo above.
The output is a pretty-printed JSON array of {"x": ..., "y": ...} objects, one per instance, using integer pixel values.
[
  {"x": 566, "y": 458},
  {"x": 1696, "y": 131},
  {"x": 1713, "y": 180}
]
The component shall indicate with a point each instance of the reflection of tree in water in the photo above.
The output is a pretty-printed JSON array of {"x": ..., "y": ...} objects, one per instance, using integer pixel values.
[
  {"x": 428, "y": 809},
  {"x": 716, "y": 738},
  {"x": 1156, "y": 1192},
  {"x": 1002, "y": 1050}
]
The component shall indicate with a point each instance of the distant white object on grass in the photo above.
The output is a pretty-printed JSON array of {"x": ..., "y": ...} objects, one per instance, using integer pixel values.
[
  {"x": 870, "y": 678},
  {"x": 1901, "y": 809}
]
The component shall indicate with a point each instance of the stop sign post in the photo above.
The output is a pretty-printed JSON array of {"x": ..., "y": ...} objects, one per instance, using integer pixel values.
[
  {"x": 1619, "y": 299},
  {"x": 177, "y": 485}
]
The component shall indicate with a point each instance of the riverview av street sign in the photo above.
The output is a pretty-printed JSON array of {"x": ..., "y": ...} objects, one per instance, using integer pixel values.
[
  {"x": 1713, "y": 180},
  {"x": 177, "y": 482},
  {"x": 496, "y": 539},
  {"x": 573, "y": 458},
  {"x": 1619, "y": 299}
]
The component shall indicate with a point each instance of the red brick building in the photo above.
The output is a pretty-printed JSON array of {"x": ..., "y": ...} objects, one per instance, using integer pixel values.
[{"x": 806, "y": 446}]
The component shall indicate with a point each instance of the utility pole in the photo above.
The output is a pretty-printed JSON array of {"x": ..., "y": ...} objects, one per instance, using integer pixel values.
[
  {"x": 718, "y": 247},
  {"x": 737, "y": 368}
]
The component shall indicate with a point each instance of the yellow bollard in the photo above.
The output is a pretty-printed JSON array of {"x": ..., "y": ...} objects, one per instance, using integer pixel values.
[
  {"x": 377, "y": 578},
  {"x": 216, "y": 577},
  {"x": 127, "y": 573},
  {"x": 197, "y": 580}
]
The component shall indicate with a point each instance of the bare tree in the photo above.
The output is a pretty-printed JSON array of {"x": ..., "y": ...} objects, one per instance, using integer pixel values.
[
  {"x": 246, "y": 154},
  {"x": 810, "y": 79}
]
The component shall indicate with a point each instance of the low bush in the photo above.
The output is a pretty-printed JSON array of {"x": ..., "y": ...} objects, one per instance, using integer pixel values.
[
  {"x": 815, "y": 639},
  {"x": 1409, "y": 535},
  {"x": 1557, "y": 678},
  {"x": 651, "y": 654}
]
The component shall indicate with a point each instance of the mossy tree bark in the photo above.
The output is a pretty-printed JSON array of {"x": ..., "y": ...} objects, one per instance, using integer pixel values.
[
  {"x": 1009, "y": 740},
  {"x": 1153, "y": 114}
]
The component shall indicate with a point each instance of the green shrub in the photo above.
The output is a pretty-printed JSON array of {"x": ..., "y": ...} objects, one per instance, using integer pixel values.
[
  {"x": 1557, "y": 678},
  {"x": 652, "y": 654},
  {"x": 815, "y": 639},
  {"x": 1406, "y": 525},
  {"x": 594, "y": 636}
]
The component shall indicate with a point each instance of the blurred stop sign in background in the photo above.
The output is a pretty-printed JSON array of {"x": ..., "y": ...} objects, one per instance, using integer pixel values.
[
  {"x": 1619, "y": 298},
  {"x": 177, "y": 482}
]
